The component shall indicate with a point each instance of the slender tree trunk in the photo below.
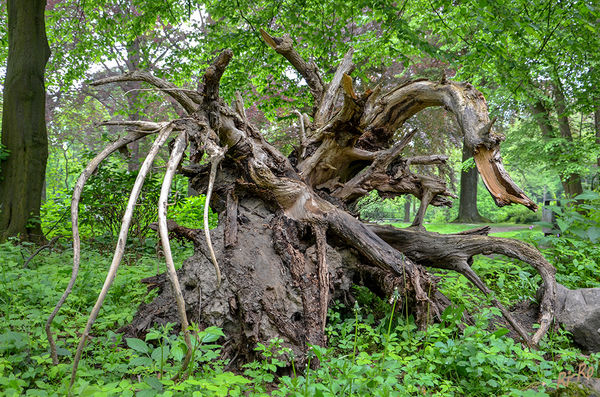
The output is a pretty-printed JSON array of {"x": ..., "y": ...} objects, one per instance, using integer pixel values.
[
  {"x": 597, "y": 128},
  {"x": 571, "y": 182},
  {"x": 407, "y": 201},
  {"x": 23, "y": 122},
  {"x": 467, "y": 208}
]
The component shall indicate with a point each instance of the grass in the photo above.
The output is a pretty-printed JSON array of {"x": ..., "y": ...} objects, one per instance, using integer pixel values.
[
  {"x": 373, "y": 351},
  {"x": 525, "y": 231}
]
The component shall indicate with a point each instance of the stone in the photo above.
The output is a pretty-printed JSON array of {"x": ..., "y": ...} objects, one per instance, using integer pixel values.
[{"x": 579, "y": 313}]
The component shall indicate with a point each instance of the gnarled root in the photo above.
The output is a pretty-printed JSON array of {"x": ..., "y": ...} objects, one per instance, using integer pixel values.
[
  {"x": 456, "y": 251},
  {"x": 120, "y": 249},
  {"x": 89, "y": 170}
]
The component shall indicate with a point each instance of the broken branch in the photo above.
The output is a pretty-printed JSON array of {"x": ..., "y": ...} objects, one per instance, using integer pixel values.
[
  {"x": 308, "y": 70},
  {"x": 182, "y": 97}
]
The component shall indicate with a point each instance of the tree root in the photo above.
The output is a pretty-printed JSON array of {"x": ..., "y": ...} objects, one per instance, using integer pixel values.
[
  {"x": 176, "y": 154},
  {"x": 120, "y": 249},
  {"x": 456, "y": 251},
  {"x": 216, "y": 155},
  {"x": 86, "y": 173}
]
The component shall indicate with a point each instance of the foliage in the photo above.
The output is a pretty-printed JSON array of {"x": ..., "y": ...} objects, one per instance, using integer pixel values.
[
  {"x": 104, "y": 200},
  {"x": 4, "y": 153},
  {"x": 189, "y": 212},
  {"x": 375, "y": 348},
  {"x": 392, "y": 357},
  {"x": 573, "y": 249}
]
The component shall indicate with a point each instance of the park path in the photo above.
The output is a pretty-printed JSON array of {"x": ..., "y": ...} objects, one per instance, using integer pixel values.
[{"x": 501, "y": 229}]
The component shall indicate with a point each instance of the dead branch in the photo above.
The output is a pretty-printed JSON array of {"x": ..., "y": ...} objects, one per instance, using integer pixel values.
[
  {"x": 308, "y": 70},
  {"x": 181, "y": 97},
  {"x": 456, "y": 251},
  {"x": 40, "y": 249},
  {"x": 497, "y": 181},
  {"x": 331, "y": 94},
  {"x": 139, "y": 124},
  {"x": 212, "y": 76},
  {"x": 175, "y": 158}
]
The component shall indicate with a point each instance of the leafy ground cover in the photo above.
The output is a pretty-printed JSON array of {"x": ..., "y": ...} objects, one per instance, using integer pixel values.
[{"x": 375, "y": 349}]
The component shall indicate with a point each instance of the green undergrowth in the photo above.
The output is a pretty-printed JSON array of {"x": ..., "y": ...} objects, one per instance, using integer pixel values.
[{"x": 374, "y": 349}]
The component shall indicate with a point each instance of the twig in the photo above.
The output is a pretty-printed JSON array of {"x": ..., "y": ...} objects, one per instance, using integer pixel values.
[{"x": 40, "y": 249}]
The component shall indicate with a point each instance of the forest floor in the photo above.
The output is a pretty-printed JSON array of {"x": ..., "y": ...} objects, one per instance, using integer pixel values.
[{"x": 371, "y": 346}]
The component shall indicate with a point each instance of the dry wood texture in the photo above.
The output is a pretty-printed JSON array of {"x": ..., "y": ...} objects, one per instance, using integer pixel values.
[{"x": 287, "y": 243}]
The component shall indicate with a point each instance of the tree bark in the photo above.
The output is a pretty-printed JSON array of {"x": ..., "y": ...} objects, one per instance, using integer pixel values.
[
  {"x": 23, "y": 122},
  {"x": 286, "y": 241},
  {"x": 571, "y": 182},
  {"x": 467, "y": 207},
  {"x": 407, "y": 205}
]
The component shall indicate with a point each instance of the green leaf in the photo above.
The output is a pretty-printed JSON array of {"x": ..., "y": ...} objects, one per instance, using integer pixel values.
[
  {"x": 141, "y": 362},
  {"x": 152, "y": 335},
  {"x": 588, "y": 195},
  {"x": 562, "y": 225},
  {"x": 161, "y": 351},
  {"x": 500, "y": 332},
  {"x": 154, "y": 383},
  {"x": 211, "y": 334},
  {"x": 137, "y": 345},
  {"x": 177, "y": 353},
  {"x": 146, "y": 393},
  {"x": 593, "y": 233}
]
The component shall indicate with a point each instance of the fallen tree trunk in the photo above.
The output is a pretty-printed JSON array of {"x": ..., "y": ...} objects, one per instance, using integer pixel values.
[{"x": 287, "y": 243}]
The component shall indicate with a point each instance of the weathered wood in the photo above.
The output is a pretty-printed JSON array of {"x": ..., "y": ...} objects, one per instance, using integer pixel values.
[
  {"x": 497, "y": 181},
  {"x": 300, "y": 246},
  {"x": 231, "y": 222},
  {"x": 308, "y": 70},
  {"x": 456, "y": 251},
  {"x": 181, "y": 96}
]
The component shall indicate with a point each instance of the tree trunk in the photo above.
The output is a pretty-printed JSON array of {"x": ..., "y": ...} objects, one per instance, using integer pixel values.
[
  {"x": 597, "y": 128},
  {"x": 286, "y": 240},
  {"x": 571, "y": 182},
  {"x": 467, "y": 207},
  {"x": 23, "y": 122},
  {"x": 407, "y": 209}
]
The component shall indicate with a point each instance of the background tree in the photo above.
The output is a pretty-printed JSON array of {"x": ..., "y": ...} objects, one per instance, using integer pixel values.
[
  {"x": 24, "y": 122},
  {"x": 469, "y": 178},
  {"x": 539, "y": 56}
]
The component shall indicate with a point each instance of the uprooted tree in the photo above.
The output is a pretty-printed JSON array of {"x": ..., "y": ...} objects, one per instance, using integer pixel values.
[{"x": 287, "y": 241}]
